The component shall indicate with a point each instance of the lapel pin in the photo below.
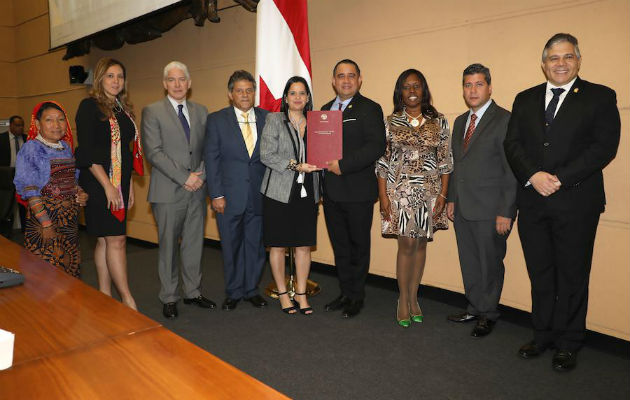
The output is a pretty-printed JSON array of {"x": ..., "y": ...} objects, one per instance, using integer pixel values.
[
  {"x": 576, "y": 90},
  {"x": 350, "y": 106}
]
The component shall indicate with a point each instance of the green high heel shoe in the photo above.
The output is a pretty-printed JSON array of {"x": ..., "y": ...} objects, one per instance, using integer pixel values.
[
  {"x": 416, "y": 318},
  {"x": 404, "y": 323}
]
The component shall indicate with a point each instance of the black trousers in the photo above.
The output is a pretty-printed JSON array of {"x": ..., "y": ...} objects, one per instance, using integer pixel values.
[
  {"x": 349, "y": 227},
  {"x": 558, "y": 249}
]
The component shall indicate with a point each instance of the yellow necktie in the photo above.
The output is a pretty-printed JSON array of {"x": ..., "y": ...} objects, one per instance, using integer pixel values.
[{"x": 246, "y": 130}]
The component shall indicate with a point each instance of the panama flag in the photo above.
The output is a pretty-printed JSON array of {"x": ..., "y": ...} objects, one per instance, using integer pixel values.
[{"x": 282, "y": 48}]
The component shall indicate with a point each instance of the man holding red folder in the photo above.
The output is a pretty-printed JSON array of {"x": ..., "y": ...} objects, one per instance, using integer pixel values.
[{"x": 350, "y": 188}]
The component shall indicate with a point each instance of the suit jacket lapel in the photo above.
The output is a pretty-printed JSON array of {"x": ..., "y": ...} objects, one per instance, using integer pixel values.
[
  {"x": 458, "y": 135},
  {"x": 483, "y": 123},
  {"x": 170, "y": 111},
  {"x": 569, "y": 101},
  {"x": 192, "y": 113},
  {"x": 237, "y": 130},
  {"x": 540, "y": 107}
]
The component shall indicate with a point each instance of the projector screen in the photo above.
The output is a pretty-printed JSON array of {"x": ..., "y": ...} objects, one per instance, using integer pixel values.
[{"x": 74, "y": 19}]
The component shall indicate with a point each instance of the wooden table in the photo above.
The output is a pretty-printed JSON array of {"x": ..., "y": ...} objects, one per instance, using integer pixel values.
[{"x": 73, "y": 342}]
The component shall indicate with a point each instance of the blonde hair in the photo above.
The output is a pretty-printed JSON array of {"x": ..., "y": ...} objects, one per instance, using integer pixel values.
[{"x": 105, "y": 104}]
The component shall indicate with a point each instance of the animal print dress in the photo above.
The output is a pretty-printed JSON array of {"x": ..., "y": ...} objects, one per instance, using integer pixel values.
[{"x": 412, "y": 164}]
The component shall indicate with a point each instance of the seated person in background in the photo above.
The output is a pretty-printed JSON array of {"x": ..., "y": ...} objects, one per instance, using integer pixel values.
[{"x": 45, "y": 177}]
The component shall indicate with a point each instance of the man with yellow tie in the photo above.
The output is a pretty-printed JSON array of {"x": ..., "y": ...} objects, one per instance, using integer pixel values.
[{"x": 234, "y": 175}]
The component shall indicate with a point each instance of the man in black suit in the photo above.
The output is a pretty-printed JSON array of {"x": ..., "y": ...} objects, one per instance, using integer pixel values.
[
  {"x": 10, "y": 143},
  {"x": 481, "y": 199},
  {"x": 561, "y": 135},
  {"x": 350, "y": 188}
]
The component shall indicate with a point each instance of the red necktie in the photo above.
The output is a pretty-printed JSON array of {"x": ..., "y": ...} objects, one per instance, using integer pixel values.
[{"x": 470, "y": 130}]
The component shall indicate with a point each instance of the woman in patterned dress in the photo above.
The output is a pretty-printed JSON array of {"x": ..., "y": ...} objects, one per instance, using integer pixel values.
[
  {"x": 46, "y": 178},
  {"x": 412, "y": 183}
]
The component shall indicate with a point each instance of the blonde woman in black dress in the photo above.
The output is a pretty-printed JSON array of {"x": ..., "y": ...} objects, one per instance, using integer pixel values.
[{"x": 291, "y": 192}]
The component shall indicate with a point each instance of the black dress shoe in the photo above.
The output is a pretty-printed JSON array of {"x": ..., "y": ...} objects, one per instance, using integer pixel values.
[
  {"x": 201, "y": 302},
  {"x": 483, "y": 328},
  {"x": 337, "y": 304},
  {"x": 170, "y": 310},
  {"x": 564, "y": 360},
  {"x": 257, "y": 301},
  {"x": 461, "y": 317},
  {"x": 531, "y": 350},
  {"x": 352, "y": 308},
  {"x": 229, "y": 304}
]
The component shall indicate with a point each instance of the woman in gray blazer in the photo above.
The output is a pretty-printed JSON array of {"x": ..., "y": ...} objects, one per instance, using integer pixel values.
[{"x": 291, "y": 192}]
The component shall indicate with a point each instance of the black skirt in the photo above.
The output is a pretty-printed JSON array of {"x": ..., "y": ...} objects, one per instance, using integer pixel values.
[{"x": 292, "y": 224}]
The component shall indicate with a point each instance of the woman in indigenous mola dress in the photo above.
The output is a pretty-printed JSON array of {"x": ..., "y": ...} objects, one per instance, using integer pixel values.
[
  {"x": 46, "y": 178},
  {"x": 412, "y": 184}
]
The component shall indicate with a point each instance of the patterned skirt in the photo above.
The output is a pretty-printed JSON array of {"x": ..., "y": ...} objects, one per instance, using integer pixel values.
[{"x": 57, "y": 195}]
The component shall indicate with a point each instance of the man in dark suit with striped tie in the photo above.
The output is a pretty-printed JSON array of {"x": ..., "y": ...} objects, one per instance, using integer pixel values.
[
  {"x": 481, "y": 199},
  {"x": 561, "y": 135}
]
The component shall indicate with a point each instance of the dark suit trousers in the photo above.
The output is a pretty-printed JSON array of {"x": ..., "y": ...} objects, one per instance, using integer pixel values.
[
  {"x": 243, "y": 252},
  {"x": 558, "y": 248},
  {"x": 349, "y": 227},
  {"x": 481, "y": 252}
]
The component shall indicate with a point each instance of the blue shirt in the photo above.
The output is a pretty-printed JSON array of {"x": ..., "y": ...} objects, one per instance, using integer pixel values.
[{"x": 344, "y": 104}]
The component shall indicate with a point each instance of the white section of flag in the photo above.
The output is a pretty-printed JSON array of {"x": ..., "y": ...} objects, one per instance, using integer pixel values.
[{"x": 277, "y": 56}]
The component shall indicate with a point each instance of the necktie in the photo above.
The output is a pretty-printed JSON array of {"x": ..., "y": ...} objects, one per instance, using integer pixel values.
[
  {"x": 551, "y": 108},
  {"x": 182, "y": 119},
  {"x": 470, "y": 130},
  {"x": 340, "y": 105},
  {"x": 246, "y": 130},
  {"x": 17, "y": 144}
]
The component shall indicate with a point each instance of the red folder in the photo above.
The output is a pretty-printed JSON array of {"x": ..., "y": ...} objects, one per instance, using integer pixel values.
[{"x": 324, "y": 137}]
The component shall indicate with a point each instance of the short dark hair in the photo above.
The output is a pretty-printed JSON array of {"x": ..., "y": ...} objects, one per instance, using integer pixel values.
[
  {"x": 14, "y": 117},
  {"x": 285, "y": 106},
  {"x": 425, "y": 101},
  {"x": 558, "y": 38},
  {"x": 45, "y": 107},
  {"x": 477, "y": 69},
  {"x": 240, "y": 75},
  {"x": 347, "y": 61}
]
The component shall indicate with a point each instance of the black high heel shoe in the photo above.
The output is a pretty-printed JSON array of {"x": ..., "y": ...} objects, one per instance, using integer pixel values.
[
  {"x": 305, "y": 310},
  {"x": 289, "y": 309}
]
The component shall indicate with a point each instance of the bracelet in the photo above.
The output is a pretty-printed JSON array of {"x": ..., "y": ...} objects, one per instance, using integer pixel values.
[
  {"x": 442, "y": 196},
  {"x": 293, "y": 165}
]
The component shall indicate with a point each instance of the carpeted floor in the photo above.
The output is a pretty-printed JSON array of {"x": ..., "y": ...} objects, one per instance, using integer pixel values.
[{"x": 326, "y": 357}]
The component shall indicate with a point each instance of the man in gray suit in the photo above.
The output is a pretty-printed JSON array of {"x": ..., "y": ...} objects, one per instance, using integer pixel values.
[
  {"x": 481, "y": 199},
  {"x": 173, "y": 132}
]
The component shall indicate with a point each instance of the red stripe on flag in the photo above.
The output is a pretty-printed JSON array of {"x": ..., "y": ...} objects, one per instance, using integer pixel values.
[
  {"x": 267, "y": 101},
  {"x": 295, "y": 13}
]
